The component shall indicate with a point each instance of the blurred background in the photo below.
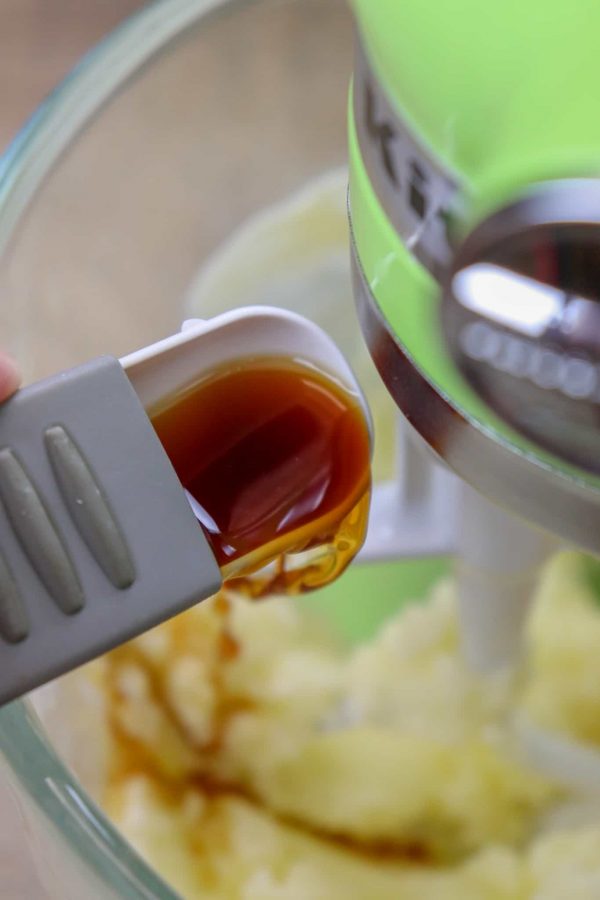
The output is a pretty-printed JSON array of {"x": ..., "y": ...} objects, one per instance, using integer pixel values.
[{"x": 40, "y": 40}]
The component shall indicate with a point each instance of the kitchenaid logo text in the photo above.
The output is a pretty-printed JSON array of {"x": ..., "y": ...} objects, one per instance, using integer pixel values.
[
  {"x": 384, "y": 134},
  {"x": 413, "y": 188}
]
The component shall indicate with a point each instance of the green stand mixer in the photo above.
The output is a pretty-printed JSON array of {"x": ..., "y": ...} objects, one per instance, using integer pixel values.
[{"x": 474, "y": 212}]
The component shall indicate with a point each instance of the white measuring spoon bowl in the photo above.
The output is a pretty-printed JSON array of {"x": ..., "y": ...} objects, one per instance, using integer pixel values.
[{"x": 205, "y": 345}]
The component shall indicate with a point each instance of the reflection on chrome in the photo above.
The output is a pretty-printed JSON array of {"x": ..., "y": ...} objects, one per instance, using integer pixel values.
[{"x": 508, "y": 298}]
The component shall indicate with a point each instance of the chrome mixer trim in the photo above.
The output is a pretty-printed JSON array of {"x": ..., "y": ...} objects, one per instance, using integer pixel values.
[
  {"x": 563, "y": 201},
  {"x": 533, "y": 355},
  {"x": 513, "y": 479},
  {"x": 414, "y": 188}
]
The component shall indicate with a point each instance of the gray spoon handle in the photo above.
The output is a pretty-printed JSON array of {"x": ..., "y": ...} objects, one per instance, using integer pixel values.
[{"x": 97, "y": 539}]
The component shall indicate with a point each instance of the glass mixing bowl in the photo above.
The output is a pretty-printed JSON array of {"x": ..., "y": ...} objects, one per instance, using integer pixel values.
[{"x": 193, "y": 162}]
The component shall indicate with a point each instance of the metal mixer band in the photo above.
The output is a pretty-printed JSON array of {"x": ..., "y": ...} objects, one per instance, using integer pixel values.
[
  {"x": 508, "y": 476},
  {"x": 416, "y": 191}
]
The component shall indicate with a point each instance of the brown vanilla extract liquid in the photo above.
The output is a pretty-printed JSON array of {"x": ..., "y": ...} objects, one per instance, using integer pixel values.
[{"x": 276, "y": 456}]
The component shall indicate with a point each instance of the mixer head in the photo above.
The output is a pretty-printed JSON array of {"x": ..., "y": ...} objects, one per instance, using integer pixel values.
[{"x": 476, "y": 247}]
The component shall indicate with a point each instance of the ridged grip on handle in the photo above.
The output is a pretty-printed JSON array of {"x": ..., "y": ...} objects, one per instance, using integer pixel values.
[
  {"x": 89, "y": 508},
  {"x": 38, "y": 535}
]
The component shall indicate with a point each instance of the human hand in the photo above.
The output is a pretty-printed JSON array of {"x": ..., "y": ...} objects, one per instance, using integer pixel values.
[{"x": 9, "y": 377}]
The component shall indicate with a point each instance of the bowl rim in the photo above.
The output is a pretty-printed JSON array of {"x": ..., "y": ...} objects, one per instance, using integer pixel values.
[{"x": 100, "y": 74}]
